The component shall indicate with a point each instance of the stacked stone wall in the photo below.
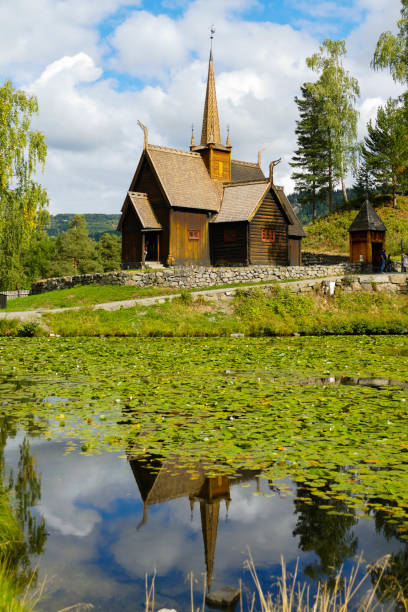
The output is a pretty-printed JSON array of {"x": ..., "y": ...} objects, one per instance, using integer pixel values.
[
  {"x": 321, "y": 259},
  {"x": 197, "y": 276}
]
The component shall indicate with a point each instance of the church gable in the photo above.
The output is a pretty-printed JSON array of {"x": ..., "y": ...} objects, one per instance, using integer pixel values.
[{"x": 268, "y": 233}]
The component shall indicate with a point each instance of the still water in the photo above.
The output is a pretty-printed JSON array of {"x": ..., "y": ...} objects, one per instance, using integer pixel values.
[{"x": 110, "y": 520}]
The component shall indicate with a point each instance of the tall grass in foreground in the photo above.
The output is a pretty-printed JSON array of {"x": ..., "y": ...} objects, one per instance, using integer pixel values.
[{"x": 346, "y": 594}]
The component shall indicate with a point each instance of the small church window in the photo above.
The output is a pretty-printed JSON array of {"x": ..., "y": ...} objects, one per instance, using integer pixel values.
[
  {"x": 230, "y": 235},
  {"x": 193, "y": 234},
  {"x": 267, "y": 235},
  {"x": 220, "y": 168}
]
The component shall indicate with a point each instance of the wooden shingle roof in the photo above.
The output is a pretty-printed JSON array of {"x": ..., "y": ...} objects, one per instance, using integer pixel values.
[
  {"x": 184, "y": 178},
  {"x": 141, "y": 205},
  {"x": 367, "y": 219},
  {"x": 245, "y": 171},
  {"x": 241, "y": 200}
]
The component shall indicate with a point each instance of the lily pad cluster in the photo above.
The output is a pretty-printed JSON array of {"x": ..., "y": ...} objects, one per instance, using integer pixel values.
[{"x": 292, "y": 407}]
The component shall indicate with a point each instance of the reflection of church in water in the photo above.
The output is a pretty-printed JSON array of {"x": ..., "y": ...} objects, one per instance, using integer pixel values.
[{"x": 161, "y": 481}]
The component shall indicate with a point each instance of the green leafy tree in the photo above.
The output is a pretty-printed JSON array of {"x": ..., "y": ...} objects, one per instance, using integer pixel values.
[
  {"x": 39, "y": 257},
  {"x": 337, "y": 92},
  {"x": 309, "y": 158},
  {"x": 392, "y": 50},
  {"x": 385, "y": 149},
  {"x": 75, "y": 252},
  {"x": 22, "y": 200},
  {"x": 109, "y": 250}
]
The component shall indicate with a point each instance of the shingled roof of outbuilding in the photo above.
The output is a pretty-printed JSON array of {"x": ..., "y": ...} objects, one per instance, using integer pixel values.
[
  {"x": 241, "y": 200},
  {"x": 245, "y": 171},
  {"x": 141, "y": 206},
  {"x": 184, "y": 178},
  {"x": 367, "y": 219},
  {"x": 295, "y": 228}
]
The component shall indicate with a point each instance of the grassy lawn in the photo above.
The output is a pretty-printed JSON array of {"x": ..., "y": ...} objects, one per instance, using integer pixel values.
[
  {"x": 89, "y": 295},
  {"x": 86, "y": 295}
]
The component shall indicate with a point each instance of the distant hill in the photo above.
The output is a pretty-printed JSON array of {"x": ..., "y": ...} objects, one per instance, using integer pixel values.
[
  {"x": 98, "y": 224},
  {"x": 329, "y": 234}
]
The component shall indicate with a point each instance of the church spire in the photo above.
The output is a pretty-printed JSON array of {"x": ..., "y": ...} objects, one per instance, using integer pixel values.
[{"x": 211, "y": 125}]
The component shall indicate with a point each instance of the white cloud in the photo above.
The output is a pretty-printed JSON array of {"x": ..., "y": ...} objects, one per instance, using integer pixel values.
[{"x": 90, "y": 121}]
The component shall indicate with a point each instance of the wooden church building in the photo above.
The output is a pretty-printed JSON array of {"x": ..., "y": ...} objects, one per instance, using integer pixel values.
[{"x": 201, "y": 207}]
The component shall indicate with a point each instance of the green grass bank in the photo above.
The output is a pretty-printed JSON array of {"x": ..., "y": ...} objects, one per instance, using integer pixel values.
[{"x": 255, "y": 312}]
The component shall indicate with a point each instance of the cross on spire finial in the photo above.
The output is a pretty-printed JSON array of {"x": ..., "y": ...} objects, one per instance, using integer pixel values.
[{"x": 212, "y": 32}]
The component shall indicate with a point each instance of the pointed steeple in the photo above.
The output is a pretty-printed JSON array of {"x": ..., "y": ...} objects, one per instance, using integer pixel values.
[
  {"x": 211, "y": 124},
  {"x": 209, "y": 525}
]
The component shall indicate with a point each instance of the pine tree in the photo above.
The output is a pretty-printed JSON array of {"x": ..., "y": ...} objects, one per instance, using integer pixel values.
[
  {"x": 75, "y": 252},
  {"x": 109, "y": 250},
  {"x": 310, "y": 158},
  {"x": 385, "y": 149}
]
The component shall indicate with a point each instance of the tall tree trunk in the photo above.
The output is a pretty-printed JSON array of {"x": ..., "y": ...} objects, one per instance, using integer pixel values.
[
  {"x": 330, "y": 176},
  {"x": 343, "y": 184},
  {"x": 394, "y": 196},
  {"x": 314, "y": 201},
  {"x": 330, "y": 187}
]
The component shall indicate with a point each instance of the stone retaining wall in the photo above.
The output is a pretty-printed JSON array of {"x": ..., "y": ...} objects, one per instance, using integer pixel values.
[
  {"x": 387, "y": 283},
  {"x": 321, "y": 259},
  {"x": 194, "y": 277}
]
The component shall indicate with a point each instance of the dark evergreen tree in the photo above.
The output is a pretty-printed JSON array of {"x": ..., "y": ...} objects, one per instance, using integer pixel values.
[
  {"x": 310, "y": 158},
  {"x": 385, "y": 149},
  {"x": 364, "y": 186},
  {"x": 109, "y": 250},
  {"x": 75, "y": 252}
]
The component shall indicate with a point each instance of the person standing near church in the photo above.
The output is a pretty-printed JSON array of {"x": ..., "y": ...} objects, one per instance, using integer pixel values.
[{"x": 383, "y": 257}]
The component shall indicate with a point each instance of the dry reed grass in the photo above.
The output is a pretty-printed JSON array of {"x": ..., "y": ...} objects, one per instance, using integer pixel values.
[{"x": 348, "y": 593}]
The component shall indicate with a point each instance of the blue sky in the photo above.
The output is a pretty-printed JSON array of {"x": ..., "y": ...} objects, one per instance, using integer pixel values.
[{"x": 97, "y": 66}]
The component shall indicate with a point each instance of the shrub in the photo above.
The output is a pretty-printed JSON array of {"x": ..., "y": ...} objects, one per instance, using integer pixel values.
[{"x": 29, "y": 329}]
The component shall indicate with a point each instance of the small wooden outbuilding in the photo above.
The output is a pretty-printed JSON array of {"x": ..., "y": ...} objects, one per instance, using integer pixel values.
[{"x": 367, "y": 236}]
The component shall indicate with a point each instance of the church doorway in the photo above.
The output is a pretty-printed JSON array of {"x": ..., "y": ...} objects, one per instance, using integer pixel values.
[{"x": 151, "y": 241}]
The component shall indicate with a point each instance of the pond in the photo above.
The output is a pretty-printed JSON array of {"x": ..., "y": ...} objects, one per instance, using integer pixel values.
[{"x": 125, "y": 456}]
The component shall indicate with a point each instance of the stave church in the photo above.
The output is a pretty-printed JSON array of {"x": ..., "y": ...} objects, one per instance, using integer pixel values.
[{"x": 202, "y": 207}]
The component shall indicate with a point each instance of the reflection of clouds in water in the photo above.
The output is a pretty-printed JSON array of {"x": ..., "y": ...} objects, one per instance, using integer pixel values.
[
  {"x": 75, "y": 480},
  {"x": 96, "y": 553},
  {"x": 263, "y": 524}
]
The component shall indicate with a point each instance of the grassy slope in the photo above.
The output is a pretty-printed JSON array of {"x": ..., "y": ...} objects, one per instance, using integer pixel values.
[
  {"x": 86, "y": 295},
  {"x": 253, "y": 313},
  {"x": 329, "y": 234}
]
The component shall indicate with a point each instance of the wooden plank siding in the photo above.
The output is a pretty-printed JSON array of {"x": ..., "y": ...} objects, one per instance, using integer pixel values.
[
  {"x": 294, "y": 251},
  {"x": 268, "y": 216},
  {"x": 184, "y": 251},
  {"x": 146, "y": 182},
  {"x": 131, "y": 240},
  {"x": 226, "y": 252}
]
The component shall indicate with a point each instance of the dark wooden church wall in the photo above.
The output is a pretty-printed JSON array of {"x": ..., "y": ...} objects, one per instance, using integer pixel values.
[
  {"x": 228, "y": 251},
  {"x": 268, "y": 216},
  {"x": 184, "y": 250},
  {"x": 294, "y": 251},
  {"x": 146, "y": 182},
  {"x": 131, "y": 240}
]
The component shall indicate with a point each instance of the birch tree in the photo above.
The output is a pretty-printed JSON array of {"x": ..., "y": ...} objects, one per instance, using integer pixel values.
[
  {"x": 22, "y": 200},
  {"x": 392, "y": 50},
  {"x": 338, "y": 92}
]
